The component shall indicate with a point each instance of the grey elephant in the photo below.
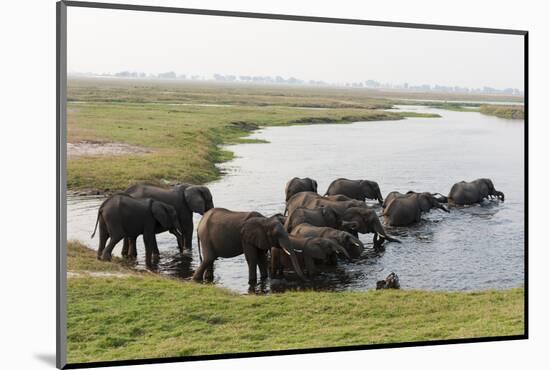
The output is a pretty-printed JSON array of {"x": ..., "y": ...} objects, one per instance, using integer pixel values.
[
  {"x": 322, "y": 216},
  {"x": 224, "y": 233},
  {"x": 122, "y": 216},
  {"x": 297, "y": 185},
  {"x": 365, "y": 221},
  {"x": 465, "y": 193},
  {"x": 353, "y": 245},
  {"x": 310, "y": 253},
  {"x": 311, "y": 200},
  {"x": 406, "y": 209},
  {"x": 356, "y": 189},
  {"x": 185, "y": 198},
  {"x": 395, "y": 194}
]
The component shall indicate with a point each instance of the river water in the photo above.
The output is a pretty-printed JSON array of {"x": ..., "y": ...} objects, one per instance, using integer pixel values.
[{"x": 472, "y": 248}]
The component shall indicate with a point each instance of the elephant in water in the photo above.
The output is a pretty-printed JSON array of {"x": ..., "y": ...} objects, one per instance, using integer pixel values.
[
  {"x": 464, "y": 193},
  {"x": 406, "y": 209},
  {"x": 395, "y": 194},
  {"x": 310, "y": 252},
  {"x": 365, "y": 221},
  {"x": 122, "y": 216},
  {"x": 312, "y": 200},
  {"x": 226, "y": 234},
  {"x": 356, "y": 189},
  {"x": 352, "y": 244},
  {"x": 322, "y": 216},
  {"x": 296, "y": 185},
  {"x": 186, "y": 199}
]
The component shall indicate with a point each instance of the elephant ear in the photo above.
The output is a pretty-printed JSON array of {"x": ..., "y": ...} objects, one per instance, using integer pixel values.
[
  {"x": 195, "y": 199},
  {"x": 253, "y": 234},
  {"x": 485, "y": 187},
  {"x": 160, "y": 213}
]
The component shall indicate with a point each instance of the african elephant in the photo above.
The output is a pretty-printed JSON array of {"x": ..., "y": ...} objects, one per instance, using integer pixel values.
[
  {"x": 224, "y": 233},
  {"x": 407, "y": 208},
  {"x": 322, "y": 216},
  {"x": 311, "y": 200},
  {"x": 309, "y": 252},
  {"x": 352, "y": 244},
  {"x": 364, "y": 221},
  {"x": 297, "y": 185},
  {"x": 185, "y": 198},
  {"x": 473, "y": 192},
  {"x": 395, "y": 194},
  {"x": 122, "y": 216},
  {"x": 356, "y": 189}
]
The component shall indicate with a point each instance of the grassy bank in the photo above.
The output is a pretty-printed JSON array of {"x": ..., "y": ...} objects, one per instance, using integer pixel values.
[
  {"x": 184, "y": 125},
  {"x": 134, "y": 315},
  {"x": 504, "y": 111}
]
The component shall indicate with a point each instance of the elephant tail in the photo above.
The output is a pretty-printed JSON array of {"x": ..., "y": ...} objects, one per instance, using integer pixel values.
[
  {"x": 96, "y": 222},
  {"x": 199, "y": 244}
]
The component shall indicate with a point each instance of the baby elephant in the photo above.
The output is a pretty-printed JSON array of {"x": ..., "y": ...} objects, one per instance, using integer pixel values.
[
  {"x": 309, "y": 251},
  {"x": 463, "y": 193},
  {"x": 122, "y": 216},
  {"x": 406, "y": 209},
  {"x": 353, "y": 245}
]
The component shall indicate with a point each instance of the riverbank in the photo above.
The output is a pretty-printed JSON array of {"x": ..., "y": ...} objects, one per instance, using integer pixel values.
[
  {"x": 122, "y": 134},
  {"x": 504, "y": 111},
  {"x": 115, "y": 312}
]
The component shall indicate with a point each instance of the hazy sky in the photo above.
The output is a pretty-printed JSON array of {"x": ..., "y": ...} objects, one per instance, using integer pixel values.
[{"x": 117, "y": 40}]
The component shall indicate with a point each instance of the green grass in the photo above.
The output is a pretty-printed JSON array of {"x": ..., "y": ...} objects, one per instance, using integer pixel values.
[
  {"x": 148, "y": 316},
  {"x": 504, "y": 111},
  {"x": 185, "y": 141}
]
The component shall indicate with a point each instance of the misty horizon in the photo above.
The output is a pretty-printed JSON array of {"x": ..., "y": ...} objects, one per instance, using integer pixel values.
[{"x": 334, "y": 53}]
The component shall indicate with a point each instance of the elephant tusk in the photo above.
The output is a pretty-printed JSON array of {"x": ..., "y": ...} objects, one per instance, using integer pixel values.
[{"x": 287, "y": 252}]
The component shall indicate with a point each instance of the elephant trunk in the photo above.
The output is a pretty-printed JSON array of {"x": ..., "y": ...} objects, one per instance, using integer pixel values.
[
  {"x": 284, "y": 243},
  {"x": 379, "y": 229},
  {"x": 380, "y": 198},
  {"x": 442, "y": 207},
  {"x": 440, "y": 198},
  {"x": 339, "y": 249}
]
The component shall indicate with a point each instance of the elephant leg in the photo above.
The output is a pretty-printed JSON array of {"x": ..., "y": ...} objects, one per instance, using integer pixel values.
[
  {"x": 125, "y": 247},
  {"x": 188, "y": 238},
  {"x": 207, "y": 263},
  {"x": 275, "y": 262},
  {"x": 251, "y": 255},
  {"x": 107, "y": 252},
  {"x": 262, "y": 264},
  {"x": 103, "y": 236},
  {"x": 209, "y": 272},
  {"x": 151, "y": 248},
  {"x": 310, "y": 265},
  {"x": 132, "y": 250}
]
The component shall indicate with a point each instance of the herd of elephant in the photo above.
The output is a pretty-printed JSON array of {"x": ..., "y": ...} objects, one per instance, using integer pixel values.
[{"x": 314, "y": 230}]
